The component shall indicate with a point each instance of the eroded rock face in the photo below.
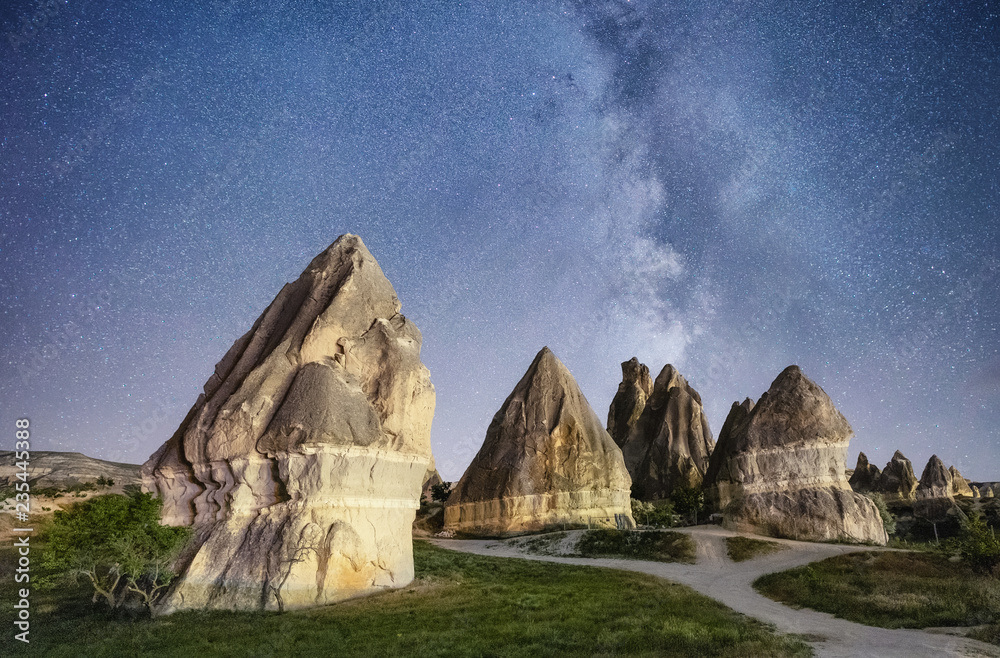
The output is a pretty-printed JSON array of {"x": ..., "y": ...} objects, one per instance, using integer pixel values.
[
  {"x": 669, "y": 443},
  {"x": 959, "y": 485},
  {"x": 898, "y": 482},
  {"x": 865, "y": 475},
  {"x": 630, "y": 400},
  {"x": 935, "y": 481},
  {"x": 546, "y": 461},
  {"x": 778, "y": 468},
  {"x": 301, "y": 465}
]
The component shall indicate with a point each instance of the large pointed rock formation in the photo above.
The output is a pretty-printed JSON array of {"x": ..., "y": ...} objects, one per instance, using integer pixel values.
[
  {"x": 897, "y": 482},
  {"x": 300, "y": 466},
  {"x": 669, "y": 443},
  {"x": 778, "y": 468},
  {"x": 935, "y": 481},
  {"x": 865, "y": 475},
  {"x": 546, "y": 461}
]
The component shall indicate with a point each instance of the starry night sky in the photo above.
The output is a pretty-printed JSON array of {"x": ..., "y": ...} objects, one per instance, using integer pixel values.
[{"x": 728, "y": 187}]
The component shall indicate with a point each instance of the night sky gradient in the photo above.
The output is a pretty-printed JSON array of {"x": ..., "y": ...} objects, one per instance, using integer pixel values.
[{"x": 728, "y": 187}]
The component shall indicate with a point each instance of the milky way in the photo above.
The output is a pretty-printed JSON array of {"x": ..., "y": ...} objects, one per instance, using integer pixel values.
[{"x": 728, "y": 187}]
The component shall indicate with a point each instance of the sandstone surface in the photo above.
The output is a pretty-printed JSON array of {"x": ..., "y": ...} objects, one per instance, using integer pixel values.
[
  {"x": 865, "y": 475},
  {"x": 898, "y": 482},
  {"x": 779, "y": 468},
  {"x": 546, "y": 461},
  {"x": 300, "y": 466},
  {"x": 630, "y": 400},
  {"x": 668, "y": 445}
]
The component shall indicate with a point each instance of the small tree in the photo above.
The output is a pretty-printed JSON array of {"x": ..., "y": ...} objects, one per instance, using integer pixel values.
[
  {"x": 888, "y": 520},
  {"x": 440, "y": 492},
  {"x": 688, "y": 501},
  {"x": 979, "y": 546},
  {"x": 117, "y": 542}
]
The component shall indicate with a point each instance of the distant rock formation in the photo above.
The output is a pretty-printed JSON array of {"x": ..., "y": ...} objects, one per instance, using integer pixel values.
[
  {"x": 897, "y": 482},
  {"x": 669, "y": 443},
  {"x": 778, "y": 468},
  {"x": 975, "y": 491},
  {"x": 300, "y": 466},
  {"x": 865, "y": 475},
  {"x": 546, "y": 461},
  {"x": 959, "y": 485},
  {"x": 431, "y": 479},
  {"x": 935, "y": 481},
  {"x": 61, "y": 470},
  {"x": 630, "y": 400}
]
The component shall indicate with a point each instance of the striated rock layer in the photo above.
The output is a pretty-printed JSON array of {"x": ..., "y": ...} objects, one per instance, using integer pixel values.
[
  {"x": 778, "y": 468},
  {"x": 669, "y": 443},
  {"x": 301, "y": 465},
  {"x": 546, "y": 461}
]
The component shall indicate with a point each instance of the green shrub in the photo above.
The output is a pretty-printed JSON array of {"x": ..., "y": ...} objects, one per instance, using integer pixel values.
[
  {"x": 888, "y": 520},
  {"x": 641, "y": 545},
  {"x": 688, "y": 501},
  {"x": 658, "y": 515},
  {"x": 117, "y": 543},
  {"x": 979, "y": 546},
  {"x": 440, "y": 492}
]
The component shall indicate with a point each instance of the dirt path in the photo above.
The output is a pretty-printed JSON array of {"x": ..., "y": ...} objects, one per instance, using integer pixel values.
[{"x": 715, "y": 575}]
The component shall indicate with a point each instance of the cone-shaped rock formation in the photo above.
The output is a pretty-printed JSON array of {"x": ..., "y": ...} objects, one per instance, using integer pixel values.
[
  {"x": 897, "y": 482},
  {"x": 669, "y": 443},
  {"x": 546, "y": 461},
  {"x": 301, "y": 464},
  {"x": 959, "y": 485},
  {"x": 935, "y": 481},
  {"x": 778, "y": 468},
  {"x": 865, "y": 475}
]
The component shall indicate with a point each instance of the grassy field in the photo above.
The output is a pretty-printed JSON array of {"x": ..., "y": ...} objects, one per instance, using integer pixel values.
[
  {"x": 459, "y": 605},
  {"x": 741, "y": 549},
  {"x": 659, "y": 545},
  {"x": 891, "y": 590}
]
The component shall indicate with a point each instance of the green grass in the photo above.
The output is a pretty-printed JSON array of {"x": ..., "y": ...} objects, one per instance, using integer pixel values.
[
  {"x": 659, "y": 545},
  {"x": 741, "y": 549},
  {"x": 890, "y": 589},
  {"x": 459, "y": 605}
]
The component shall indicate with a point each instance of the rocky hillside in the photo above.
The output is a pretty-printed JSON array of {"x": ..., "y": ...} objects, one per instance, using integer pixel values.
[{"x": 66, "y": 470}]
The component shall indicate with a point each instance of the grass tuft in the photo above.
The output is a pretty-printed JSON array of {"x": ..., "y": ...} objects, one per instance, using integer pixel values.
[
  {"x": 658, "y": 545},
  {"x": 741, "y": 549}
]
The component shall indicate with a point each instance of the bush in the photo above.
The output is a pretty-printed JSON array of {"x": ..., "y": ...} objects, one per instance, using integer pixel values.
[
  {"x": 117, "y": 542},
  {"x": 440, "y": 492},
  {"x": 888, "y": 520},
  {"x": 979, "y": 545},
  {"x": 658, "y": 516},
  {"x": 688, "y": 501}
]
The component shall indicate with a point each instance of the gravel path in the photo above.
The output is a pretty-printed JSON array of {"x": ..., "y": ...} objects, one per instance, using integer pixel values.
[{"x": 715, "y": 575}]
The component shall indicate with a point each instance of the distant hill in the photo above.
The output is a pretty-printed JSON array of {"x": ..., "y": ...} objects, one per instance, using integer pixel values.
[{"x": 66, "y": 469}]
